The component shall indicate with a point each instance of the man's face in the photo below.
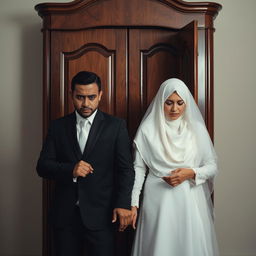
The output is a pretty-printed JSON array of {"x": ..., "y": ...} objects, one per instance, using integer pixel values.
[{"x": 86, "y": 99}]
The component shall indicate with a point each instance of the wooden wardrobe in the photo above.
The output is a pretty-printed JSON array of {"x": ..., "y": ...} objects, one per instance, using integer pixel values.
[{"x": 133, "y": 45}]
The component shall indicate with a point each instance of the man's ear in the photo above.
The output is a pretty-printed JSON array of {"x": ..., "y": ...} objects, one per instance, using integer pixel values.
[{"x": 100, "y": 94}]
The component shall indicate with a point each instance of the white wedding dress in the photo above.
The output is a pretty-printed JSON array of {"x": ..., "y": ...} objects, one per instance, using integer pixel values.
[{"x": 173, "y": 221}]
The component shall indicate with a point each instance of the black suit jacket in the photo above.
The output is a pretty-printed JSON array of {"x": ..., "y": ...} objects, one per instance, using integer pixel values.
[{"x": 107, "y": 150}]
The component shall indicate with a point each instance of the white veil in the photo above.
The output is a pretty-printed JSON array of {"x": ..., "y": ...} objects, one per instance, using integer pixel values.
[{"x": 158, "y": 140}]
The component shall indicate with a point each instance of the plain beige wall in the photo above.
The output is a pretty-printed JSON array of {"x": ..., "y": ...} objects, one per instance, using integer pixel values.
[
  {"x": 21, "y": 128},
  {"x": 21, "y": 115},
  {"x": 235, "y": 127},
  {"x": 20, "y": 132}
]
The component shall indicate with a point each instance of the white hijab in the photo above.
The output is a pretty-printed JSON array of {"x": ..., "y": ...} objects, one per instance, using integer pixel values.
[{"x": 165, "y": 145}]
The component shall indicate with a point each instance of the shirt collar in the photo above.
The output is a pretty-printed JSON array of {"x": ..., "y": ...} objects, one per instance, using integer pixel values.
[{"x": 90, "y": 118}]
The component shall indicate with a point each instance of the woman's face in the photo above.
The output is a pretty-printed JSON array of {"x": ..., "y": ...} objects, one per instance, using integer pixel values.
[{"x": 174, "y": 107}]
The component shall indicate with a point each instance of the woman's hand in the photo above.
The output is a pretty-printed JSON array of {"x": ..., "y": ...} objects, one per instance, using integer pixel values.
[
  {"x": 134, "y": 216},
  {"x": 178, "y": 176}
]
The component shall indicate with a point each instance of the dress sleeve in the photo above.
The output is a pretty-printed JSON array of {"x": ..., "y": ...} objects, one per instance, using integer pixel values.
[
  {"x": 205, "y": 172},
  {"x": 140, "y": 173}
]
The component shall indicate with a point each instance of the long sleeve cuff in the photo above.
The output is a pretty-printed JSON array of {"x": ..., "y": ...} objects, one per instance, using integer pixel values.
[
  {"x": 135, "y": 198},
  {"x": 199, "y": 178}
]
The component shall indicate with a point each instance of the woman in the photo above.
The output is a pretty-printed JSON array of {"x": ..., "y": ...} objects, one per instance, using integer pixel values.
[{"x": 173, "y": 144}]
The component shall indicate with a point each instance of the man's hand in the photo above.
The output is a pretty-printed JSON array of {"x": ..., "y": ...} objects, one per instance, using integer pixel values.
[
  {"x": 82, "y": 169},
  {"x": 178, "y": 176},
  {"x": 124, "y": 217}
]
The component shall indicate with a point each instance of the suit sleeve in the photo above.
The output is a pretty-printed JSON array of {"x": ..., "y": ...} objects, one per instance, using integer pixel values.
[
  {"x": 48, "y": 166},
  {"x": 124, "y": 168}
]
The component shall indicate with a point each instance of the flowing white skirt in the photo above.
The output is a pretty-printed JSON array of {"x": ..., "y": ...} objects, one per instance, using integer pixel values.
[{"x": 174, "y": 221}]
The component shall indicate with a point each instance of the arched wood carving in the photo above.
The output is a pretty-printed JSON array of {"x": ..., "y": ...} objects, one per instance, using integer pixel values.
[{"x": 81, "y": 59}]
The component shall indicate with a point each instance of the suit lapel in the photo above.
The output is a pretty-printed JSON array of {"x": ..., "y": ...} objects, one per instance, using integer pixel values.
[
  {"x": 96, "y": 129},
  {"x": 72, "y": 135}
]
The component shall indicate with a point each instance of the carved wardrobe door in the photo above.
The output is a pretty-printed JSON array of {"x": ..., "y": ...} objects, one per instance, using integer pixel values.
[
  {"x": 133, "y": 46},
  {"x": 156, "y": 54},
  {"x": 102, "y": 51}
]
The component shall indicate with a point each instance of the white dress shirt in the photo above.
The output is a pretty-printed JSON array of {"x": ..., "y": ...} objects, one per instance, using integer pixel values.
[{"x": 85, "y": 129}]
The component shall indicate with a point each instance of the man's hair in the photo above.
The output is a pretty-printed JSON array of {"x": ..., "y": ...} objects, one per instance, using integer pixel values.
[{"x": 84, "y": 78}]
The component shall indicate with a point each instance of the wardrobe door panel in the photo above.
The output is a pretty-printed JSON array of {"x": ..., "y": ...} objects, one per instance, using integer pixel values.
[
  {"x": 187, "y": 38},
  {"x": 98, "y": 50},
  {"x": 102, "y": 51},
  {"x": 154, "y": 56}
]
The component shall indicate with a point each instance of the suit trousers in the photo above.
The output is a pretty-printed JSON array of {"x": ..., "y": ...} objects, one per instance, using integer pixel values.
[{"x": 77, "y": 240}]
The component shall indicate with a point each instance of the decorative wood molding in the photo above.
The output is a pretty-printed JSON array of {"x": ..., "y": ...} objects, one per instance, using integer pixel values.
[
  {"x": 188, "y": 7},
  {"x": 92, "y": 13},
  {"x": 182, "y": 6},
  {"x": 44, "y": 9}
]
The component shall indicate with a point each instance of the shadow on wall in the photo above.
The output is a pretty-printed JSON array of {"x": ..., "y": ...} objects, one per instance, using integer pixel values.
[
  {"x": 25, "y": 233},
  {"x": 31, "y": 128}
]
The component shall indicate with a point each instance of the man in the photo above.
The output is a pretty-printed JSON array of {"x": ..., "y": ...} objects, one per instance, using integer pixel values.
[{"x": 87, "y": 154}]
